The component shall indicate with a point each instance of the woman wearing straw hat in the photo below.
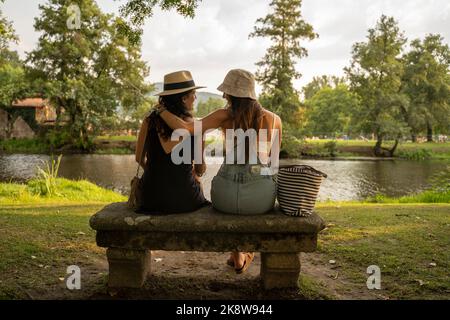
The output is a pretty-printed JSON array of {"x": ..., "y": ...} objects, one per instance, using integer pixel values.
[
  {"x": 164, "y": 181},
  {"x": 239, "y": 188}
]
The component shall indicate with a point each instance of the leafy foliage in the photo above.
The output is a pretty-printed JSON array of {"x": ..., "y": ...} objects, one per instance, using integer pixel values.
[
  {"x": 375, "y": 75},
  {"x": 286, "y": 28},
  {"x": 7, "y": 33},
  {"x": 329, "y": 111},
  {"x": 135, "y": 11},
  {"x": 206, "y": 107},
  {"x": 426, "y": 82},
  {"x": 87, "y": 73}
]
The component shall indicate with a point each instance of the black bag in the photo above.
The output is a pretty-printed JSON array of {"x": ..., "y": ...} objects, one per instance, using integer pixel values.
[
  {"x": 136, "y": 193},
  {"x": 137, "y": 184},
  {"x": 297, "y": 189}
]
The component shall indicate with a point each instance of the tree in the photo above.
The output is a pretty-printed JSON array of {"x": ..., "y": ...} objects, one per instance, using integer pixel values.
[
  {"x": 7, "y": 33},
  {"x": 375, "y": 75},
  {"x": 319, "y": 83},
  {"x": 329, "y": 111},
  {"x": 206, "y": 107},
  {"x": 13, "y": 83},
  {"x": 426, "y": 82},
  {"x": 286, "y": 28},
  {"x": 87, "y": 72},
  {"x": 137, "y": 10}
]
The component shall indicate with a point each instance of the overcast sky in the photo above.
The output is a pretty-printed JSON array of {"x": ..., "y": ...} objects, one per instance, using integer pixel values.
[{"x": 216, "y": 40}]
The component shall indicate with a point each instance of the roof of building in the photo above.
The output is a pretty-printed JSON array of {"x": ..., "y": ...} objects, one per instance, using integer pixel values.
[{"x": 31, "y": 103}]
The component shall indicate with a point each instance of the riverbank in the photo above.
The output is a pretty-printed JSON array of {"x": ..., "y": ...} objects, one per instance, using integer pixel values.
[
  {"x": 308, "y": 149},
  {"x": 41, "y": 236}
]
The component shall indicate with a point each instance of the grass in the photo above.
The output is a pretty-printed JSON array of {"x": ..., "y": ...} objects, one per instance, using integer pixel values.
[
  {"x": 429, "y": 196},
  {"x": 41, "y": 235},
  {"x": 28, "y": 146},
  {"x": 67, "y": 192},
  {"x": 406, "y": 150},
  {"x": 403, "y": 240},
  {"x": 118, "y": 138},
  {"x": 38, "y": 242}
]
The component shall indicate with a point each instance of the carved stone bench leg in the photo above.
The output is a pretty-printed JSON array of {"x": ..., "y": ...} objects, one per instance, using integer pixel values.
[
  {"x": 128, "y": 268},
  {"x": 280, "y": 270}
]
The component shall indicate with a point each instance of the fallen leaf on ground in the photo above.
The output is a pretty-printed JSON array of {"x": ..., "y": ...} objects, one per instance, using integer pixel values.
[{"x": 421, "y": 283}]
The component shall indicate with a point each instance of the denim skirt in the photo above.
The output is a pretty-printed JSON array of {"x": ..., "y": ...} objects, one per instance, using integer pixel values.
[{"x": 243, "y": 189}]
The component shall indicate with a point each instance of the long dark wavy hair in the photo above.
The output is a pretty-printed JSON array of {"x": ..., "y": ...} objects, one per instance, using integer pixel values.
[
  {"x": 247, "y": 113},
  {"x": 174, "y": 104}
]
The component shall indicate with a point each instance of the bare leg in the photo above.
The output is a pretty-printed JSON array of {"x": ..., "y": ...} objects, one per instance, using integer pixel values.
[{"x": 239, "y": 259}]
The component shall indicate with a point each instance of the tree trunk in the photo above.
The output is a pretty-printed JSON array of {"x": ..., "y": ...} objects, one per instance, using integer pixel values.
[
  {"x": 429, "y": 132},
  {"x": 392, "y": 150},
  {"x": 377, "y": 149},
  {"x": 413, "y": 138}
]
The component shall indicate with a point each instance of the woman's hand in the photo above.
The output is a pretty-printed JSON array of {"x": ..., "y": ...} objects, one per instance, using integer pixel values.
[
  {"x": 200, "y": 169},
  {"x": 159, "y": 108},
  {"x": 212, "y": 121}
]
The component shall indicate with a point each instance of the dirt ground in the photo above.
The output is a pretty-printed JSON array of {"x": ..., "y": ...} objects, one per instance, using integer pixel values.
[{"x": 199, "y": 275}]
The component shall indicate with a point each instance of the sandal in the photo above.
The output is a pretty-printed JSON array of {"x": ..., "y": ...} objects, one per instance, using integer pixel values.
[{"x": 248, "y": 260}]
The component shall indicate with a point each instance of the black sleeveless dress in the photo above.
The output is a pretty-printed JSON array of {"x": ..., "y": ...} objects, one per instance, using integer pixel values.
[{"x": 168, "y": 187}]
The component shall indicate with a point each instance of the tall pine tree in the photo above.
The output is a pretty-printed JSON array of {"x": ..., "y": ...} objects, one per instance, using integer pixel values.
[{"x": 286, "y": 28}]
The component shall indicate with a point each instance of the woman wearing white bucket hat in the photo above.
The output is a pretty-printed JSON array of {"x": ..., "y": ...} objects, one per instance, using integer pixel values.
[
  {"x": 164, "y": 181},
  {"x": 239, "y": 188}
]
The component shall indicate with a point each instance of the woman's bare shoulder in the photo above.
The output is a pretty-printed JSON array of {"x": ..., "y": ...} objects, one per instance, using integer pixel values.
[
  {"x": 269, "y": 115},
  {"x": 222, "y": 112}
]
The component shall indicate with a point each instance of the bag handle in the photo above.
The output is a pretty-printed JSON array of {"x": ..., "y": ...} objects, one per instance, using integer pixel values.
[{"x": 304, "y": 166}]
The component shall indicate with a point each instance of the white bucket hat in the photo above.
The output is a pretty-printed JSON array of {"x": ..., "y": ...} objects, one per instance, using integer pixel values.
[
  {"x": 239, "y": 83},
  {"x": 178, "y": 82}
]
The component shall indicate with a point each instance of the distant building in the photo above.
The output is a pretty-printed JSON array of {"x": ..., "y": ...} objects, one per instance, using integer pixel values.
[
  {"x": 39, "y": 111},
  {"x": 24, "y": 118}
]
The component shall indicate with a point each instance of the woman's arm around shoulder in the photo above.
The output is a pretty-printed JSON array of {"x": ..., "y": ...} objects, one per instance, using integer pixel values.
[{"x": 211, "y": 121}]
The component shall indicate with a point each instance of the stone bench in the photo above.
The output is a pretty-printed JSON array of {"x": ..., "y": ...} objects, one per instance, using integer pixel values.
[{"x": 129, "y": 238}]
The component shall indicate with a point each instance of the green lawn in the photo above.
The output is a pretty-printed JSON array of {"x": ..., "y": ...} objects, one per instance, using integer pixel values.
[
  {"x": 117, "y": 138},
  {"x": 408, "y": 150},
  {"x": 41, "y": 235},
  {"x": 410, "y": 243}
]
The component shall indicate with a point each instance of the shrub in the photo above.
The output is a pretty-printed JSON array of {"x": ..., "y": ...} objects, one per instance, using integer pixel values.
[
  {"x": 421, "y": 154},
  {"x": 331, "y": 147},
  {"x": 292, "y": 146},
  {"x": 45, "y": 184}
]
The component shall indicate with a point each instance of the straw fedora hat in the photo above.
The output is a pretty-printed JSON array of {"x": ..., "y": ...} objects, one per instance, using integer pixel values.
[
  {"x": 239, "y": 83},
  {"x": 178, "y": 82}
]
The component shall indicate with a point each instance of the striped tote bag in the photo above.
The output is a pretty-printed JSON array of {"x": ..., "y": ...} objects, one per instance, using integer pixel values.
[{"x": 297, "y": 189}]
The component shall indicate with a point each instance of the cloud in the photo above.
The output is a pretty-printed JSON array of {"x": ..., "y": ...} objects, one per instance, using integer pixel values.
[{"x": 216, "y": 40}]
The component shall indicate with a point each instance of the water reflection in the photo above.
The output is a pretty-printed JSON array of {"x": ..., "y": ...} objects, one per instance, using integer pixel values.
[{"x": 347, "y": 180}]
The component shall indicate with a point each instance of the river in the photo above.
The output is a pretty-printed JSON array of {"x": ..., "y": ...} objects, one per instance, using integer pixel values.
[{"x": 347, "y": 179}]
